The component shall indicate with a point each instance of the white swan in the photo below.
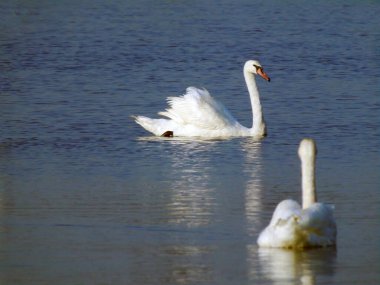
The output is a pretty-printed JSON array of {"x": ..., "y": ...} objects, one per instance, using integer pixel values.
[
  {"x": 313, "y": 225},
  {"x": 197, "y": 114}
]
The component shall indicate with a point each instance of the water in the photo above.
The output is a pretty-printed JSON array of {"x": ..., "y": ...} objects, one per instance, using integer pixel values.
[{"x": 88, "y": 197}]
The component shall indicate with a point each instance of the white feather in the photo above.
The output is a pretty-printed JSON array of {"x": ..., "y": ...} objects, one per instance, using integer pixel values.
[{"x": 199, "y": 109}]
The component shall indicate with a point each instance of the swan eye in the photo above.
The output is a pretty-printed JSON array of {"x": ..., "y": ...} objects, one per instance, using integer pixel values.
[{"x": 257, "y": 67}]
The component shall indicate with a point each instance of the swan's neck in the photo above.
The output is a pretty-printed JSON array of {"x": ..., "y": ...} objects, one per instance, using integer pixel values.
[
  {"x": 258, "y": 124},
  {"x": 309, "y": 194}
]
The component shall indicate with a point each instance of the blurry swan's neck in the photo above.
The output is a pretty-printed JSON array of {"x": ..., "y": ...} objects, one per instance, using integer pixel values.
[
  {"x": 307, "y": 152},
  {"x": 258, "y": 125}
]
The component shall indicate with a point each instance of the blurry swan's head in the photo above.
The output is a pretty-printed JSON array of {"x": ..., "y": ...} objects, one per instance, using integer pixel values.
[{"x": 307, "y": 149}]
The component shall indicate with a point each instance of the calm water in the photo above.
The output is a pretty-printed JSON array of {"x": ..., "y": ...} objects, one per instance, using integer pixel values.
[{"x": 88, "y": 197}]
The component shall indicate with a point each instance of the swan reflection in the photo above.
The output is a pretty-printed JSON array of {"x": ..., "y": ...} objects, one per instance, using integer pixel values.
[
  {"x": 284, "y": 266},
  {"x": 192, "y": 199},
  {"x": 253, "y": 170}
]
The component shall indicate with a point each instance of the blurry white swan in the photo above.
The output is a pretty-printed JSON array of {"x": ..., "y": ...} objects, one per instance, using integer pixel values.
[
  {"x": 312, "y": 225},
  {"x": 197, "y": 114}
]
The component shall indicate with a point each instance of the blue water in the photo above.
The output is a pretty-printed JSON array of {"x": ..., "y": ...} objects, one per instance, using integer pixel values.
[{"x": 89, "y": 197}]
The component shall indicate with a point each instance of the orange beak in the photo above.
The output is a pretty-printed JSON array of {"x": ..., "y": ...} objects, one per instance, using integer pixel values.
[{"x": 261, "y": 72}]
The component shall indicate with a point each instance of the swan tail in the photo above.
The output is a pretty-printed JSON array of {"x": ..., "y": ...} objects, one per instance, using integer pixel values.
[{"x": 157, "y": 127}]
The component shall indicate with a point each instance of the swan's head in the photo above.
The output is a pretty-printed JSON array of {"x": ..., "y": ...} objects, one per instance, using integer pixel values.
[
  {"x": 254, "y": 67},
  {"x": 307, "y": 149}
]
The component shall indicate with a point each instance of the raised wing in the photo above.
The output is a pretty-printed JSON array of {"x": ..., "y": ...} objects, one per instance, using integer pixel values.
[{"x": 199, "y": 109}]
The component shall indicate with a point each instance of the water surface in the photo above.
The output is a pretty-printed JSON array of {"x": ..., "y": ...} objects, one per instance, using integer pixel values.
[{"x": 88, "y": 197}]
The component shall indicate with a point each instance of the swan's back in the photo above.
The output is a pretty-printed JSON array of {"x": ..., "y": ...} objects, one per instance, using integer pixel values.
[
  {"x": 318, "y": 221},
  {"x": 294, "y": 227},
  {"x": 283, "y": 229}
]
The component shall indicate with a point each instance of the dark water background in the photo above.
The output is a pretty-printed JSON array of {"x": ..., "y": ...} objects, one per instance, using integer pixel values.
[{"x": 88, "y": 197}]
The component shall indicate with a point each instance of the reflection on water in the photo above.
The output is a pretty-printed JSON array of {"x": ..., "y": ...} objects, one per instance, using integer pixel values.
[
  {"x": 169, "y": 264},
  {"x": 189, "y": 205},
  {"x": 283, "y": 266},
  {"x": 183, "y": 271},
  {"x": 252, "y": 168},
  {"x": 197, "y": 196},
  {"x": 191, "y": 202}
]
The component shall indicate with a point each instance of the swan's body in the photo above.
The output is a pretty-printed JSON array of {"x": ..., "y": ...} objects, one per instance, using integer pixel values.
[
  {"x": 311, "y": 225},
  {"x": 197, "y": 114}
]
